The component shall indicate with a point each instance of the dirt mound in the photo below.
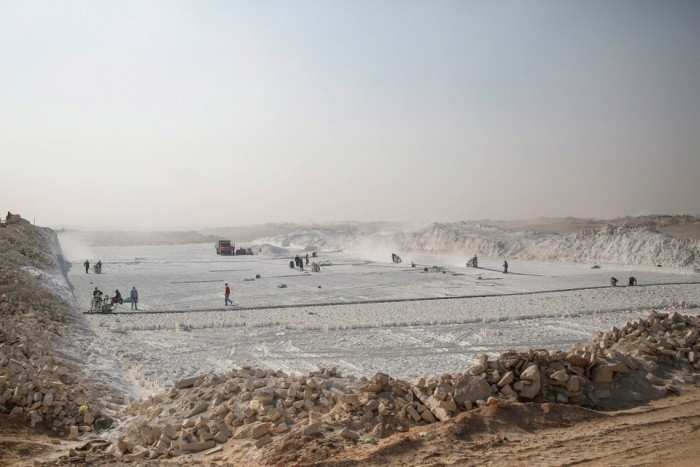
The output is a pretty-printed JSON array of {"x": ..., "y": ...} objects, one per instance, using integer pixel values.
[
  {"x": 527, "y": 434},
  {"x": 481, "y": 429}
]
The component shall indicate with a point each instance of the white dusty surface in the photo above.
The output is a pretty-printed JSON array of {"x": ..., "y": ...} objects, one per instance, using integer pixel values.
[{"x": 367, "y": 315}]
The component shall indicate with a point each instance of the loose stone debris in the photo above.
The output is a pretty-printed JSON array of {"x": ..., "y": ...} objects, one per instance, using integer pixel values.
[{"x": 620, "y": 367}]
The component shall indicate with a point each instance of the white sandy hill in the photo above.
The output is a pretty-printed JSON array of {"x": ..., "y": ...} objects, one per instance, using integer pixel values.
[
  {"x": 327, "y": 239},
  {"x": 622, "y": 244},
  {"x": 626, "y": 244}
]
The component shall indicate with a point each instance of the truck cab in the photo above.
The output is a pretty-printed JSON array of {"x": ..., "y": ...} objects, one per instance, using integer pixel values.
[{"x": 225, "y": 248}]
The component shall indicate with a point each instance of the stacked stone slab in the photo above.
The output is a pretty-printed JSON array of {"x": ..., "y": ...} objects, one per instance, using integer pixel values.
[
  {"x": 36, "y": 383},
  {"x": 246, "y": 403}
]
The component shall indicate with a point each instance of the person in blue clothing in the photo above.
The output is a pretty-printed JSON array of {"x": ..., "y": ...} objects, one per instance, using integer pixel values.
[{"x": 134, "y": 299}]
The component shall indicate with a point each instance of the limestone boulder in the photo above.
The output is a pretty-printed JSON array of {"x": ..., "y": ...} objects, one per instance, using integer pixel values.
[
  {"x": 471, "y": 389},
  {"x": 532, "y": 382}
]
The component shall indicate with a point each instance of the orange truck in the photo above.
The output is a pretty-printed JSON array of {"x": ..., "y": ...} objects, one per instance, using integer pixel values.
[{"x": 225, "y": 248}]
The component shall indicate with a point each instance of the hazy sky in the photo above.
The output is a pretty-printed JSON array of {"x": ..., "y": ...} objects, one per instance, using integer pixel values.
[{"x": 169, "y": 115}]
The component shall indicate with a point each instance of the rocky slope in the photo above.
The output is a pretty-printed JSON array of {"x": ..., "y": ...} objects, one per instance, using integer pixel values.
[{"x": 42, "y": 377}]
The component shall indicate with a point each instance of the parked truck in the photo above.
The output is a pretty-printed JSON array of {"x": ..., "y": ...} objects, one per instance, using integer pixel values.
[{"x": 225, "y": 248}]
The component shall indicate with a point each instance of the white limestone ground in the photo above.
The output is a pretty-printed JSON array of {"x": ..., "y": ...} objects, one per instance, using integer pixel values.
[{"x": 369, "y": 315}]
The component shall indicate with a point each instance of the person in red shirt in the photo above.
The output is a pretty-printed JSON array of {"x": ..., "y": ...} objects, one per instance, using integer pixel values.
[{"x": 227, "y": 294}]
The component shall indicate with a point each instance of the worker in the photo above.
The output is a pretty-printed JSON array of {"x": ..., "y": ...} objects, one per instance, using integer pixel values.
[{"x": 117, "y": 297}]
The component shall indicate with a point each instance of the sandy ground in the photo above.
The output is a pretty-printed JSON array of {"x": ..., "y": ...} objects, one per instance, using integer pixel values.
[{"x": 21, "y": 444}]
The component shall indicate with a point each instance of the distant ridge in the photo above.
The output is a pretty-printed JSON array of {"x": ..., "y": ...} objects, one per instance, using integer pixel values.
[
  {"x": 668, "y": 240},
  {"x": 642, "y": 241}
]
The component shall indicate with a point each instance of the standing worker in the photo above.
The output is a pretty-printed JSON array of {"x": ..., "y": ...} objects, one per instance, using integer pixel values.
[
  {"x": 505, "y": 267},
  {"x": 134, "y": 299},
  {"x": 87, "y": 266},
  {"x": 227, "y": 294}
]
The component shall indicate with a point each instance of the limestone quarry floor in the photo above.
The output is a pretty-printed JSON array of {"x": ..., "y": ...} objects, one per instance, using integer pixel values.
[{"x": 361, "y": 314}]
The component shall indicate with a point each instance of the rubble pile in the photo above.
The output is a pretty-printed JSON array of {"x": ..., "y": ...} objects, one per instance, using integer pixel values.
[
  {"x": 37, "y": 381},
  {"x": 258, "y": 407}
]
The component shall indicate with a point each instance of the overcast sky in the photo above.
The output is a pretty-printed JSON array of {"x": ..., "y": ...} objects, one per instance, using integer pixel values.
[{"x": 178, "y": 115}]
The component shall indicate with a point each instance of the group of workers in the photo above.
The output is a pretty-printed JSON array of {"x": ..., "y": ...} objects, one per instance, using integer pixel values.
[
  {"x": 299, "y": 262},
  {"x": 473, "y": 263},
  {"x": 97, "y": 299},
  {"x": 632, "y": 281},
  {"x": 97, "y": 267}
]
